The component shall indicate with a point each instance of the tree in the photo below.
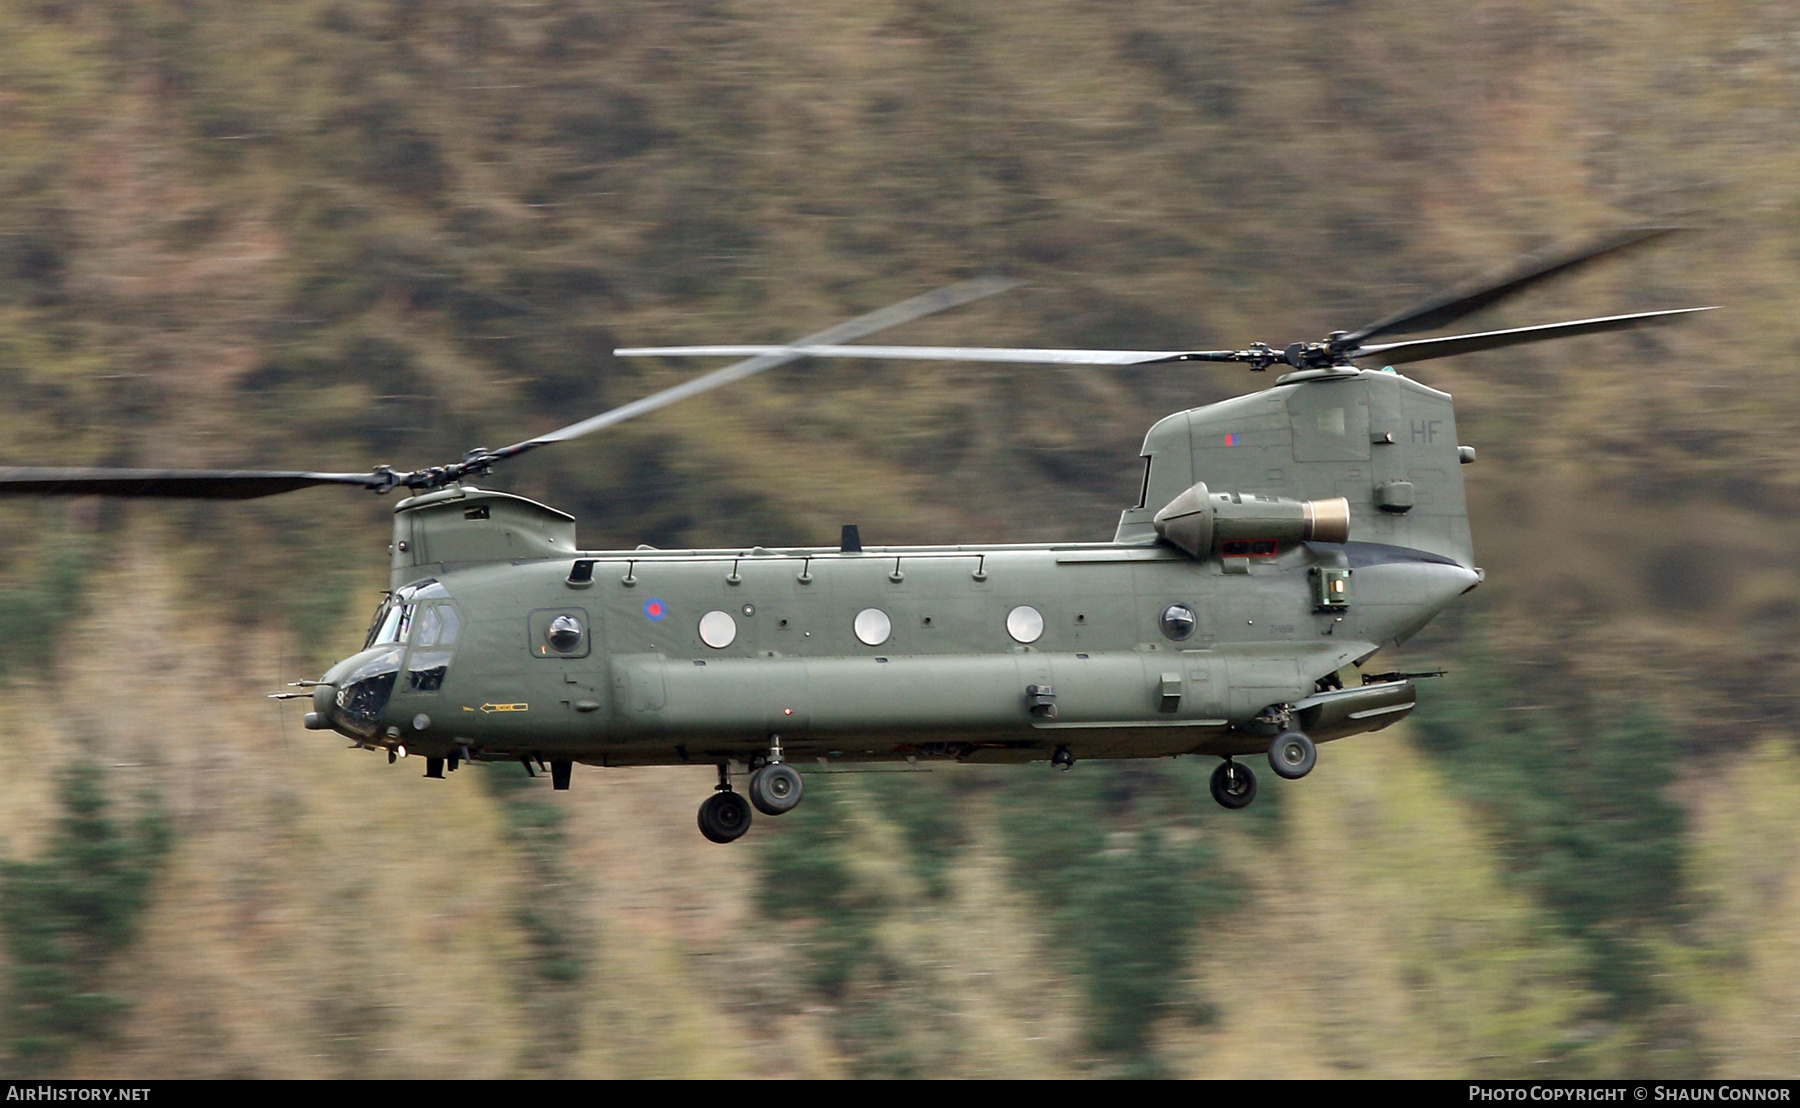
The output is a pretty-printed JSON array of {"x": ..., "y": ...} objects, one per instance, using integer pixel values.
[{"x": 64, "y": 917}]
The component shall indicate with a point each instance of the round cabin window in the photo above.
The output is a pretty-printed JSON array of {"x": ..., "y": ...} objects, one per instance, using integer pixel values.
[
  {"x": 1025, "y": 623},
  {"x": 718, "y": 629},
  {"x": 1178, "y": 621},
  {"x": 873, "y": 627}
]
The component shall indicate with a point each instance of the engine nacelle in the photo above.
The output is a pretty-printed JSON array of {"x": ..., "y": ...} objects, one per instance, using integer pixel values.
[{"x": 1200, "y": 522}]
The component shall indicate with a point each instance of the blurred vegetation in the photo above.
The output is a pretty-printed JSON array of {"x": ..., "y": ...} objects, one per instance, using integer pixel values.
[
  {"x": 36, "y": 614},
  {"x": 65, "y": 917},
  {"x": 811, "y": 878},
  {"x": 1115, "y": 858},
  {"x": 559, "y": 947},
  {"x": 1121, "y": 861},
  {"x": 1582, "y": 793},
  {"x": 330, "y": 233}
]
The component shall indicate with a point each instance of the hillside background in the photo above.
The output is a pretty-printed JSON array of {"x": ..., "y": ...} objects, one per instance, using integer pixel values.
[{"x": 324, "y": 235}]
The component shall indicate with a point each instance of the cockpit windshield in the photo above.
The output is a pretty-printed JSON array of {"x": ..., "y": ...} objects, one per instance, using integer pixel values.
[
  {"x": 393, "y": 620},
  {"x": 381, "y": 613}
]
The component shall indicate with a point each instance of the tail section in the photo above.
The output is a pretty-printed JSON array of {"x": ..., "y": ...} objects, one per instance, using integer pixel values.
[{"x": 1384, "y": 442}]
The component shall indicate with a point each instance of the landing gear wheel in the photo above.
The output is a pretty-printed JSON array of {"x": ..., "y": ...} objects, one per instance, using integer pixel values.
[
  {"x": 1233, "y": 785},
  {"x": 776, "y": 789},
  {"x": 724, "y": 817},
  {"x": 1292, "y": 755}
]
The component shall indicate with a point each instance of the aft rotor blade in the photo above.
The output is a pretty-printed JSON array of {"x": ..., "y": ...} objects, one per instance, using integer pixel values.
[
  {"x": 179, "y": 484},
  {"x": 1444, "y": 308},
  {"x": 926, "y": 353},
  {"x": 768, "y": 357},
  {"x": 1419, "y": 350}
]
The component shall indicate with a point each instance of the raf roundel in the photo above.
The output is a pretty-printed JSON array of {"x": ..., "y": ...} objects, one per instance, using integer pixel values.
[{"x": 655, "y": 610}]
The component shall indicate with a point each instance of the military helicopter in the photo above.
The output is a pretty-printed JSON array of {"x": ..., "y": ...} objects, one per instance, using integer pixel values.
[{"x": 1279, "y": 540}]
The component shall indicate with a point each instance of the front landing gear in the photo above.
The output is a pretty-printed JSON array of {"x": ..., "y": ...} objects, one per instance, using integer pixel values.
[
  {"x": 1233, "y": 785},
  {"x": 724, "y": 816}
]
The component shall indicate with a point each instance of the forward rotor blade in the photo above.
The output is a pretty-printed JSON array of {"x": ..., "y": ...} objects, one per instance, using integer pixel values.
[
  {"x": 768, "y": 357},
  {"x": 1419, "y": 350},
  {"x": 221, "y": 484},
  {"x": 1444, "y": 308},
  {"x": 179, "y": 484},
  {"x": 928, "y": 353}
]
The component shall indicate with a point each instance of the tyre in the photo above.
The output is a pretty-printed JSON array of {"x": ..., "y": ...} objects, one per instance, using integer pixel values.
[
  {"x": 776, "y": 789},
  {"x": 724, "y": 817},
  {"x": 1233, "y": 785},
  {"x": 1292, "y": 755}
]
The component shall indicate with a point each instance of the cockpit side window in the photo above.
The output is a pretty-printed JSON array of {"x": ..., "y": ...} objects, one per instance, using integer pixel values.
[
  {"x": 429, "y": 624},
  {"x": 451, "y": 624},
  {"x": 425, "y": 672},
  {"x": 437, "y": 626}
]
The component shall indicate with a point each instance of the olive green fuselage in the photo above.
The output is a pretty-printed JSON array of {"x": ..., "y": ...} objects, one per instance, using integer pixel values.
[
  {"x": 948, "y": 679},
  {"x": 504, "y": 639}
]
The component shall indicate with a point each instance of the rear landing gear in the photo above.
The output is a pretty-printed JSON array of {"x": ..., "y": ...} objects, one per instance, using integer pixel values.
[
  {"x": 1233, "y": 785},
  {"x": 1292, "y": 755},
  {"x": 724, "y": 816},
  {"x": 775, "y": 789}
]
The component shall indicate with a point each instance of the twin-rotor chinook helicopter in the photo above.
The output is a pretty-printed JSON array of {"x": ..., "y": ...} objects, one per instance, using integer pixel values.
[{"x": 1278, "y": 538}]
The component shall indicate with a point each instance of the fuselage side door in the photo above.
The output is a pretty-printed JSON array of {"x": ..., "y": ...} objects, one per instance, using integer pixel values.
[{"x": 565, "y": 672}]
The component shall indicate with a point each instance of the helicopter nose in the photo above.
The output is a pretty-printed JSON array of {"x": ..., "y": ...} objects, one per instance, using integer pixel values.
[{"x": 352, "y": 695}]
